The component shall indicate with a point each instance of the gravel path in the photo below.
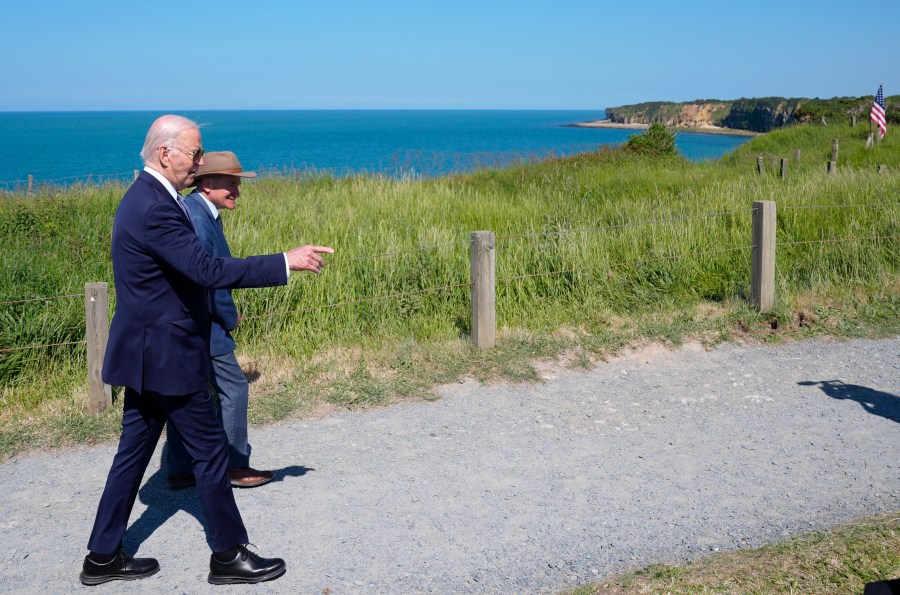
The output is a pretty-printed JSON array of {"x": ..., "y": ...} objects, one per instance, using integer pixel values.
[{"x": 656, "y": 456}]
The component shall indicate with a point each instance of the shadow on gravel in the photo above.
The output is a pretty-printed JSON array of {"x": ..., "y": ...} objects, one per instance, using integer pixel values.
[
  {"x": 163, "y": 503},
  {"x": 292, "y": 471},
  {"x": 875, "y": 402}
]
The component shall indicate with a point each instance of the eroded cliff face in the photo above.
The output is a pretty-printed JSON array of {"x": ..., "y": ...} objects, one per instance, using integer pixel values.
[
  {"x": 685, "y": 114},
  {"x": 760, "y": 117},
  {"x": 698, "y": 114},
  {"x": 743, "y": 114}
]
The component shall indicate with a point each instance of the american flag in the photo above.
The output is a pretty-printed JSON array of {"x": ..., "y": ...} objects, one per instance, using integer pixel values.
[{"x": 877, "y": 114}]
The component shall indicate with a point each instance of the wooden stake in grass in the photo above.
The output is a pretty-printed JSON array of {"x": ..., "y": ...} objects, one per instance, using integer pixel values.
[
  {"x": 762, "y": 270},
  {"x": 96, "y": 309},
  {"x": 484, "y": 292}
]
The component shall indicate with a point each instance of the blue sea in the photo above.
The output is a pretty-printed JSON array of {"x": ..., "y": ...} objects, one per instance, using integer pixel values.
[{"x": 69, "y": 147}]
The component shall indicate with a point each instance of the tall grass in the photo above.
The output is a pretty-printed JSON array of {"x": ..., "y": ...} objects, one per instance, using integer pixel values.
[{"x": 582, "y": 244}]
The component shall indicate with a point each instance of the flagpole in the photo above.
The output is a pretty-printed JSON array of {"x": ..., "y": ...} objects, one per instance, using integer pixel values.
[{"x": 877, "y": 118}]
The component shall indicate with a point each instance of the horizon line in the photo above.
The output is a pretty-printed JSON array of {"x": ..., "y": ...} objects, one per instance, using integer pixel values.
[{"x": 309, "y": 109}]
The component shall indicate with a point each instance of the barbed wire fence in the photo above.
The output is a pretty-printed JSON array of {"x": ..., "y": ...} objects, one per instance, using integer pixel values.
[
  {"x": 483, "y": 279},
  {"x": 32, "y": 184}
]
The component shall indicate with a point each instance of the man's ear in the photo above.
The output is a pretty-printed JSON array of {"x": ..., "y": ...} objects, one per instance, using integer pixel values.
[{"x": 164, "y": 155}]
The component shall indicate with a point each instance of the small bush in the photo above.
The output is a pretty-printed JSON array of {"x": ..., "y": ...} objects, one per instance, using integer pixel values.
[{"x": 658, "y": 141}]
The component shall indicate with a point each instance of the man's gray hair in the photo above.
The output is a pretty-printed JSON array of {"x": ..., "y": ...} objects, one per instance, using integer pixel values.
[{"x": 164, "y": 132}]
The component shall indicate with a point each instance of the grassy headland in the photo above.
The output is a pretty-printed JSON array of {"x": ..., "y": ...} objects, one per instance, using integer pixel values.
[
  {"x": 761, "y": 114},
  {"x": 593, "y": 252}
]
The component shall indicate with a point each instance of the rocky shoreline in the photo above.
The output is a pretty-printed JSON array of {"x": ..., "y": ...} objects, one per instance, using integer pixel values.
[{"x": 708, "y": 129}]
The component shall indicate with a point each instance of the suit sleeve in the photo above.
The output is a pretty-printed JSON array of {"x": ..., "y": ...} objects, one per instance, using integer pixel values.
[
  {"x": 168, "y": 236},
  {"x": 224, "y": 312}
]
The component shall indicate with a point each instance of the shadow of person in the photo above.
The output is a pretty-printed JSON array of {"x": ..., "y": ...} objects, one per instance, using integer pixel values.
[
  {"x": 875, "y": 402},
  {"x": 291, "y": 471},
  {"x": 163, "y": 503}
]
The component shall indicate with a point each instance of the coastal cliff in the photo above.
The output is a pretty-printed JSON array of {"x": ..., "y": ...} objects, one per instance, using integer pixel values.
[{"x": 756, "y": 115}]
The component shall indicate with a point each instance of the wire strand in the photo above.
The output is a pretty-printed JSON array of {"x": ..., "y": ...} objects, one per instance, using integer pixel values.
[
  {"x": 613, "y": 264},
  {"x": 36, "y": 181},
  {"x": 421, "y": 249},
  {"x": 372, "y": 299},
  {"x": 42, "y": 299},
  {"x": 623, "y": 225},
  {"x": 8, "y": 349},
  {"x": 837, "y": 240},
  {"x": 866, "y": 206}
]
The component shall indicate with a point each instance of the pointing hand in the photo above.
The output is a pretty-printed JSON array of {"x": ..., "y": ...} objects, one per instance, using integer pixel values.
[{"x": 307, "y": 258}]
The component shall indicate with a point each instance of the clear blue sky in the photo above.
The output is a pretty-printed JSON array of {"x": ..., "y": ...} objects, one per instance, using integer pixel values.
[{"x": 495, "y": 54}]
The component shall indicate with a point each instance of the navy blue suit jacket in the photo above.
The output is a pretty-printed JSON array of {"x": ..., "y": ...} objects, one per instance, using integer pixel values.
[
  {"x": 224, "y": 312},
  {"x": 159, "y": 335}
]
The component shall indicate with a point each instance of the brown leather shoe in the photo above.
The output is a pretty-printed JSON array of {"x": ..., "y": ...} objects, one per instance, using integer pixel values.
[
  {"x": 248, "y": 477},
  {"x": 179, "y": 482}
]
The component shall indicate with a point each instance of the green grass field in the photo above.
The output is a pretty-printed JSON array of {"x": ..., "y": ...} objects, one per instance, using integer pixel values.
[{"x": 593, "y": 252}]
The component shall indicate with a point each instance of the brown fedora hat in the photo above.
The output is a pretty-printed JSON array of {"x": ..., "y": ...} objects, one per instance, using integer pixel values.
[{"x": 222, "y": 163}]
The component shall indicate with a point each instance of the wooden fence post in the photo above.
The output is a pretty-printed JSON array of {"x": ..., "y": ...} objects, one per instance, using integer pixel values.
[
  {"x": 96, "y": 309},
  {"x": 30, "y": 183},
  {"x": 784, "y": 168},
  {"x": 484, "y": 291},
  {"x": 852, "y": 121},
  {"x": 832, "y": 167},
  {"x": 834, "y": 149},
  {"x": 759, "y": 165},
  {"x": 762, "y": 269}
]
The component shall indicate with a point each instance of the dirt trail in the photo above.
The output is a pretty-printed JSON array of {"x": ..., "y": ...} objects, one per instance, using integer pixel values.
[{"x": 654, "y": 457}]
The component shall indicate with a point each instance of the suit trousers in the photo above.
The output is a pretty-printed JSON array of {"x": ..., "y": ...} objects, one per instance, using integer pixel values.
[
  {"x": 193, "y": 418},
  {"x": 233, "y": 391}
]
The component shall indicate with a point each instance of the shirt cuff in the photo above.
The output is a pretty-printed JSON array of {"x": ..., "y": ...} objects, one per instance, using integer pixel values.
[{"x": 287, "y": 267}]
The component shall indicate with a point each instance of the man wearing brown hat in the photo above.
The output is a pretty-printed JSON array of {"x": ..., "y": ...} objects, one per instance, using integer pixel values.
[{"x": 217, "y": 186}]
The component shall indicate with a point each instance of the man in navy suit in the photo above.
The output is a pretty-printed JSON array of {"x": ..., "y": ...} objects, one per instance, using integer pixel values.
[
  {"x": 217, "y": 186},
  {"x": 158, "y": 350}
]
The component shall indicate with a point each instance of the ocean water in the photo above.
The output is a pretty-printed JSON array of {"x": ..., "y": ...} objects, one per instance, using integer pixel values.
[{"x": 68, "y": 147}]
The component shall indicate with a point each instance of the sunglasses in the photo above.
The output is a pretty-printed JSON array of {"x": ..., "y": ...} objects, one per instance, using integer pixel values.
[{"x": 195, "y": 155}]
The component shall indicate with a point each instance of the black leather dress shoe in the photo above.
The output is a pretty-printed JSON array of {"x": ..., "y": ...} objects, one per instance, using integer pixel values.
[
  {"x": 122, "y": 568},
  {"x": 246, "y": 567}
]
